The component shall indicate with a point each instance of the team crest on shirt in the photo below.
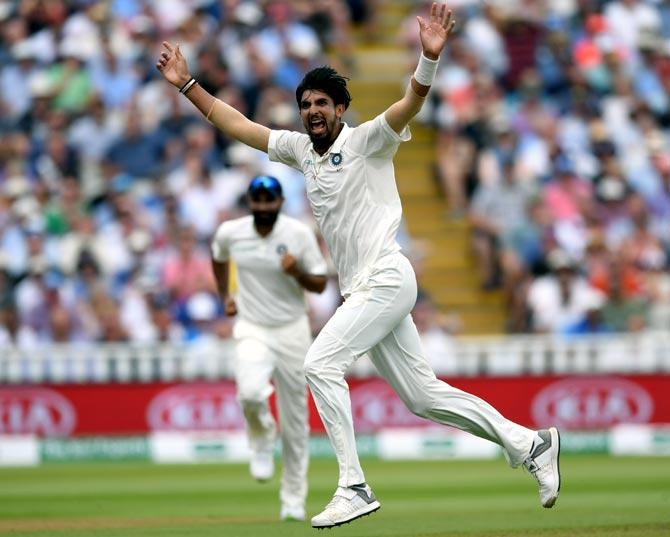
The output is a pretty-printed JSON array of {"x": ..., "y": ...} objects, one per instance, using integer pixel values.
[
  {"x": 282, "y": 249},
  {"x": 336, "y": 159}
]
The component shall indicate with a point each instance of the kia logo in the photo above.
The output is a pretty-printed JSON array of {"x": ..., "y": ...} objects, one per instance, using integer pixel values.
[
  {"x": 375, "y": 405},
  {"x": 195, "y": 407},
  {"x": 39, "y": 411},
  {"x": 581, "y": 403}
]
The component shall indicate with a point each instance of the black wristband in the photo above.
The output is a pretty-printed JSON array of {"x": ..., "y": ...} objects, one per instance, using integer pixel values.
[{"x": 187, "y": 86}]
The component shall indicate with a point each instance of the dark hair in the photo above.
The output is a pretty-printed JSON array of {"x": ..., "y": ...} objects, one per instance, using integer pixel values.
[{"x": 329, "y": 81}]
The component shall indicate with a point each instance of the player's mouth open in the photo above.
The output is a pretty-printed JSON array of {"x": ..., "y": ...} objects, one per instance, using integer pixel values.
[{"x": 317, "y": 125}]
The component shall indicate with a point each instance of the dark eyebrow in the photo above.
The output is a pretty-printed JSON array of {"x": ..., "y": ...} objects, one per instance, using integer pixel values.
[{"x": 320, "y": 100}]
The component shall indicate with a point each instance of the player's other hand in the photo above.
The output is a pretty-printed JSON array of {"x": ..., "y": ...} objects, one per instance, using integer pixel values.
[
  {"x": 230, "y": 306},
  {"x": 173, "y": 66},
  {"x": 435, "y": 31},
  {"x": 289, "y": 265}
]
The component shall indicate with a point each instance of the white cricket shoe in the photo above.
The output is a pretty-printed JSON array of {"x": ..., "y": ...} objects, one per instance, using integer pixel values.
[
  {"x": 347, "y": 505},
  {"x": 542, "y": 463},
  {"x": 262, "y": 465},
  {"x": 292, "y": 512}
]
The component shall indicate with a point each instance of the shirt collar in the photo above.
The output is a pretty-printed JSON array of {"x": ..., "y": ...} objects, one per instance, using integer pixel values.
[{"x": 336, "y": 147}]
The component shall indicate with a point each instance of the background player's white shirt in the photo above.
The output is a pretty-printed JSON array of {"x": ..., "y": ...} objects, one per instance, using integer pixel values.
[
  {"x": 352, "y": 191},
  {"x": 266, "y": 295}
]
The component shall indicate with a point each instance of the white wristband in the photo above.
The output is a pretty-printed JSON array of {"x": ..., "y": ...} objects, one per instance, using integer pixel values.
[{"x": 425, "y": 71}]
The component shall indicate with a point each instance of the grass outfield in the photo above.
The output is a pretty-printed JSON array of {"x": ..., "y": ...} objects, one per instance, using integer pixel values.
[{"x": 600, "y": 496}]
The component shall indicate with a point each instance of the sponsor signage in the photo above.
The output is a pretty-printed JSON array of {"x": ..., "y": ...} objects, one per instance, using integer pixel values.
[
  {"x": 592, "y": 403},
  {"x": 195, "y": 407},
  {"x": 572, "y": 403},
  {"x": 37, "y": 410},
  {"x": 94, "y": 449}
]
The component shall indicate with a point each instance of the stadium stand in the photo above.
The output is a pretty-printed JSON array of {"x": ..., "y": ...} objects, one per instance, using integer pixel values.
[{"x": 541, "y": 166}]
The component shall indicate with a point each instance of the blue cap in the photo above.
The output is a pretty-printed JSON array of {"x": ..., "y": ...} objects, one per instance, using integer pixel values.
[{"x": 265, "y": 183}]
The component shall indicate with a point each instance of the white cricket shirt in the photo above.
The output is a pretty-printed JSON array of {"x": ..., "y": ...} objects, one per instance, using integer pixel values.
[
  {"x": 266, "y": 295},
  {"x": 352, "y": 191}
]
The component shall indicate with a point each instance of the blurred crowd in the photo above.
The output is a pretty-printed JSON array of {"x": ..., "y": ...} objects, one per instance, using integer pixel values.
[
  {"x": 111, "y": 184},
  {"x": 553, "y": 122}
]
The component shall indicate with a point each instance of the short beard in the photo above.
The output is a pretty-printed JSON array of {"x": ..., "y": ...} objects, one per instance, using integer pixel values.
[
  {"x": 324, "y": 141},
  {"x": 265, "y": 219},
  {"x": 321, "y": 143}
]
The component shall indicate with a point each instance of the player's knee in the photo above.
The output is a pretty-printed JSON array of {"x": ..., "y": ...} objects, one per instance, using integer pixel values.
[
  {"x": 420, "y": 405},
  {"x": 311, "y": 369},
  {"x": 251, "y": 409},
  {"x": 316, "y": 369},
  {"x": 250, "y": 395}
]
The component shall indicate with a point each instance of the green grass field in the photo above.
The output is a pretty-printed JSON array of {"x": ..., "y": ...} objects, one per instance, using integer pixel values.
[{"x": 600, "y": 496}]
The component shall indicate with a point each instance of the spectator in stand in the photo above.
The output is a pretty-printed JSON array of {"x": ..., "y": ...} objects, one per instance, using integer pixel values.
[
  {"x": 15, "y": 77},
  {"x": 114, "y": 79},
  {"x": 624, "y": 311},
  {"x": 60, "y": 325},
  {"x": 568, "y": 198},
  {"x": 658, "y": 200},
  {"x": 187, "y": 268},
  {"x": 106, "y": 311},
  {"x": 498, "y": 212},
  {"x": 561, "y": 299},
  {"x": 203, "y": 199},
  {"x": 13, "y": 332},
  {"x": 69, "y": 81},
  {"x": 83, "y": 117},
  {"x": 137, "y": 153},
  {"x": 165, "y": 327}
]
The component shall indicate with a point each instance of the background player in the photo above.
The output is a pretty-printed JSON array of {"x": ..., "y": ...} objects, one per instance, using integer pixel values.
[
  {"x": 277, "y": 258},
  {"x": 351, "y": 187}
]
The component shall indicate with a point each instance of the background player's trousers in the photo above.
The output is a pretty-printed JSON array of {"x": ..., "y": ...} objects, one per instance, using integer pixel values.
[
  {"x": 376, "y": 320},
  {"x": 278, "y": 353}
]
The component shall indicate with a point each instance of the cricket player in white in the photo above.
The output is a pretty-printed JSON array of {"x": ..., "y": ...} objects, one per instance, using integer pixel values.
[
  {"x": 277, "y": 258},
  {"x": 351, "y": 188}
]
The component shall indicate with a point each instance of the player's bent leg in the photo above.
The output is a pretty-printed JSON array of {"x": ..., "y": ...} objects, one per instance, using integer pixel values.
[
  {"x": 254, "y": 363},
  {"x": 261, "y": 432},
  {"x": 399, "y": 358}
]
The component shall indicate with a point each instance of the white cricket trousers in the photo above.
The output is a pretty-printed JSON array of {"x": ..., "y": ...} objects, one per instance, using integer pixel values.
[
  {"x": 278, "y": 353},
  {"x": 377, "y": 320}
]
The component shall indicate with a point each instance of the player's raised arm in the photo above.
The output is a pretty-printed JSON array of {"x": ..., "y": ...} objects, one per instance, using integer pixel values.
[
  {"x": 433, "y": 33},
  {"x": 234, "y": 124}
]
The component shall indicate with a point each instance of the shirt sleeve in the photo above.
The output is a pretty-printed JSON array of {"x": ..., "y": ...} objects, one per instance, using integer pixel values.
[
  {"x": 376, "y": 138},
  {"x": 284, "y": 146},
  {"x": 311, "y": 259},
  {"x": 221, "y": 244}
]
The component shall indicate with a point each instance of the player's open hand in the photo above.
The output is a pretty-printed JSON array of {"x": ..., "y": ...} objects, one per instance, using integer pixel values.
[
  {"x": 434, "y": 32},
  {"x": 289, "y": 265},
  {"x": 230, "y": 306},
  {"x": 173, "y": 66}
]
